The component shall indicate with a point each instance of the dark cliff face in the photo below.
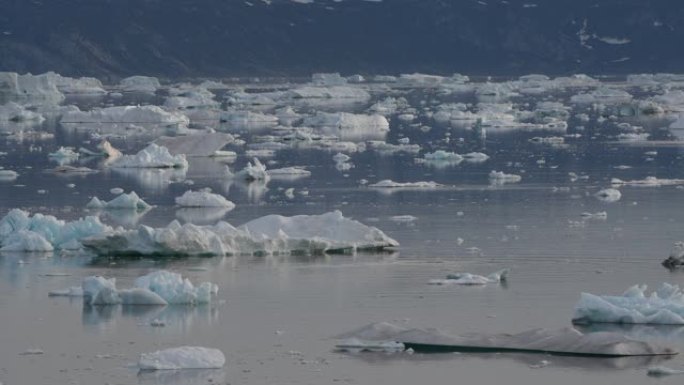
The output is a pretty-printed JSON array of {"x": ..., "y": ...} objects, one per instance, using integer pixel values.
[{"x": 218, "y": 38}]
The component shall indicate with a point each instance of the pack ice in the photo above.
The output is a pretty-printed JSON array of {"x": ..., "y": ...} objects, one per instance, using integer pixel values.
[
  {"x": 663, "y": 306},
  {"x": 566, "y": 341},
  {"x": 272, "y": 234},
  {"x": 20, "y": 231},
  {"x": 184, "y": 357},
  {"x": 152, "y": 156}
]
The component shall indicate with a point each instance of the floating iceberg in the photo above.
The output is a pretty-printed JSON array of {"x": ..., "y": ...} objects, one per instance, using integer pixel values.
[
  {"x": 29, "y": 88},
  {"x": 19, "y": 231},
  {"x": 205, "y": 144},
  {"x": 104, "y": 148},
  {"x": 499, "y": 177},
  {"x": 8, "y": 175},
  {"x": 664, "y": 306},
  {"x": 272, "y": 234},
  {"x": 662, "y": 371},
  {"x": 145, "y": 84},
  {"x": 566, "y": 341},
  {"x": 158, "y": 288},
  {"x": 64, "y": 153},
  {"x": 13, "y": 112},
  {"x": 126, "y": 115},
  {"x": 676, "y": 258},
  {"x": 649, "y": 181},
  {"x": 388, "y": 183},
  {"x": 252, "y": 172},
  {"x": 129, "y": 201},
  {"x": 609, "y": 195},
  {"x": 184, "y": 357},
  {"x": 203, "y": 198},
  {"x": 152, "y": 156},
  {"x": 443, "y": 156},
  {"x": 289, "y": 172},
  {"x": 248, "y": 118},
  {"x": 468, "y": 279},
  {"x": 348, "y": 125}
]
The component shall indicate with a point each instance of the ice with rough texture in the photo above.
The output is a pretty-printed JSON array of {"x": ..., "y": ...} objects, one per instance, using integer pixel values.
[
  {"x": 129, "y": 201},
  {"x": 13, "y": 112},
  {"x": 126, "y": 115},
  {"x": 154, "y": 289},
  {"x": 144, "y": 84},
  {"x": 468, "y": 279},
  {"x": 252, "y": 172},
  {"x": 29, "y": 88},
  {"x": 19, "y": 231},
  {"x": 348, "y": 121},
  {"x": 203, "y": 198},
  {"x": 204, "y": 144},
  {"x": 499, "y": 177},
  {"x": 664, "y": 306},
  {"x": 152, "y": 156},
  {"x": 272, "y": 234},
  {"x": 184, "y": 357},
  {"x": 8, "y": 175},
  {"x": 566, "y": 341}
]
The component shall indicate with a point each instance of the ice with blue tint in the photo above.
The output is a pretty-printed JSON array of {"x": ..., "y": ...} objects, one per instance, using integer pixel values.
[
  {"x": 634, "y": 306},
  {"x": 19, "y": 231},
  {"x": 130, "y": 201}
]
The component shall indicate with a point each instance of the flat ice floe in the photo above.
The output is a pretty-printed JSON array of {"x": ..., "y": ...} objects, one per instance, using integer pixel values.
[
  {"x": 184, "y": 357},
  {"x": 469, "y": 279},
  {"x": 649, "y": 181},
  {"x": 663, "y": 306},
  {"x": 499, "y": 177},
  {"x": 289, "y": 172},
  {"x": 200, "y": 144},
  {"x": 272, "y": 234},
  {"x": 203, "y": 198},
  {"x": 19, "y": 231},
  {"x": 152, "y": 156},
  {"x": 125, "y": 115},
  {"x": 145, "y": 84},
  {"x": 129, "y": 201},
  {"x": 390, "y": 184},
  {"x": 566, "y": 341}
]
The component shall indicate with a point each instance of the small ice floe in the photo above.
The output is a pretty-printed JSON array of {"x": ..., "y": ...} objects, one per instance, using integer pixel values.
[
  {"x": 289, "y": 172},
  {"x": 608, "y": 195},
  {"x": 404, "y": 218},
  {"x": 64, "y": 154},
  {"x": 272, "y": 234},
  {"x": 104, "y": 149},
  {"x": 676, "y": 258},
  {"x": 124, "y": 115},
  {"x": 662, "y": 371},
  {"x": 649, "y": 181},
  {"x": 597, "y": 215},
  {"x": 566, "y": 341},
  {"x": 468, "y": 279},
  {"x": 32, "y": 352},
  {"x": 390, "y": 184},
  {"x": 144, "y": 84},
  {"x": 184, "y": 357},
  {"x": 664, "y": 306},
  {"x": 8, "y": 175},
  {"x": 129, "y": 201},
  {"x": 475, "y": 157},
  {"x": 388, "y": 148},
  {"x": 252, "y": 172},
  {"x": 342, "y": 161},
  {"x": 204, "y": 144},
  {"x": 116, "y": 190},
  {"x": 289, "y": 193},
  {"x": 73, "y": 170},
  {"x": 499, "y": 178},
  {"x": 540, "y": 364},
  {"x": 203, "y": 198},
  {"x": 157, "y": 288},
  {"x": 152, "y": 156}
]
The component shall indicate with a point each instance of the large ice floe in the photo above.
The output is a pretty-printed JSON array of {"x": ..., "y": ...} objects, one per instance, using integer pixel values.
[
  {"x": 273, "y": 234},
  {"x": 152, "y": 156},
  {"x": 21, "y": 231},
  {"x": 158, "y": 288},
  {"x": 203, "y": 198},
  {"x": 125, "y": 115},
  {"x": 184, "y": 357},
  {"x": 663, "y": 306},
  {"x": 129, "y": 201},
  {"x": 566, "y": 341}
]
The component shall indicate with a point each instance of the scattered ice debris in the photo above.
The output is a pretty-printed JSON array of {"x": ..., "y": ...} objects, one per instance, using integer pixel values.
[
  {"x": 664, "y": 306},
  {"x": 388, "y": 148},
  {"x": 566, "y": 341},
  {"x": 129, "y": 201},
  {"x": 19, "y": 231},
  {"x": 248, "y": 119},
  {"x": 347, "y": 121},
  {"x": 152, "y": 156},
  {"x": 74, "y": 291},
  {"x": 203, "y": 198},
  {"x": 125, "y": 115},
  {"x": 390, "y": 184},
  {"x": 662, "y": 371},
  {"x": 204, "y": 144},
  {"x": 468, "y": 279},
  {"x": 649, "y": 181},
  {"x": 8, "y": 175},
  {"x": 184, "y": 357},
  {"x": 252, "y": 172},
  {"x": 608, "y": 195},
  {"x": 499, "y": 177},
  {"x": 441, "y": 155},
  {"x": 157, "y": 288},
  {"x": 272, "y": 234},
  {"x": 144, "y": 84}
]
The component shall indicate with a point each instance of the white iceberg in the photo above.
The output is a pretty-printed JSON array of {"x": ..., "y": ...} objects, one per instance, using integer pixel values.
[
  {"x": 663, "y": 306},
  {"x": 272, "y": 234},
  {"x": 125, "y": 115},
  {"x": 104, "y": 149},
  {"x": 499, "y": 177},
  {"x": 390, "y": 184},
  {"x": 347, "y": 121},
  {"x": 25, "y": 240},
  {"x": 158, "y": 288},
  {"x": 184, "y": 357},
  {"x": 144, "y": 84},
  {"x": 8, "y": 175},
  {"x": 443, "y": 156},
  {"x": 468, "y": 279},
  {"x": 252, "y": 172},
  {"x": 608, "y": 195},
  {"x": 649, "y": 181},
  {"x": 31, "y": 89},
  {"x": 152, "y": 156},
  {"x": 203, "y": 198},
  {"x": 204, "y": 144},
  {"x": 129, "y": 201},
  {"x": 289, "y": 172},
  {"x": 13, "y": 112},
  {"x": 64, "y": 153}
]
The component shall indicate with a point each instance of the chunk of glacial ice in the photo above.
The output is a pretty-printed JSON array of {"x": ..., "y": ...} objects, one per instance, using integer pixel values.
[
  {"x": 664, "y": 306},
  {"x": 348, "y": 121},
  {"x": 152, "y": 156},
  {"x": 252, "y": 172},
  {"x": 203, "y": 198},
  {"x": 8, "y": 175},
  {"x": 608, "y": 195},
  {"x": 649, "y": 181},
  {"x": 29, "y": 89},
  {"x": 144, "y": 84},
  {"x": 272, "y": 234},
  {"x": 205, "y": 144},
  {"x": 388, "y": 183},
  {"x": 13, "y": 112},
  {"x": 129, "y": 201},
  {"x": 499, "y": 177},
  {"x": 468, "y": 279},
  {"x": 289, "y": 172},
  {"x": 18, "y": 229},
  {"x": 125, "y": 115},
  {"x": 566, "y": 341},
  {"x": 157, "y": 288},
  {"x": 184, "y": 357}
]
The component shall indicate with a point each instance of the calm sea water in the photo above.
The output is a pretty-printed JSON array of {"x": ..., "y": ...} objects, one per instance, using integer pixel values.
[{"x": 276, "y": 317}]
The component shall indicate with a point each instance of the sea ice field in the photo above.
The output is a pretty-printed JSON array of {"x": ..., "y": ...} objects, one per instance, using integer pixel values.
[{"x": 229, "y": 231}]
